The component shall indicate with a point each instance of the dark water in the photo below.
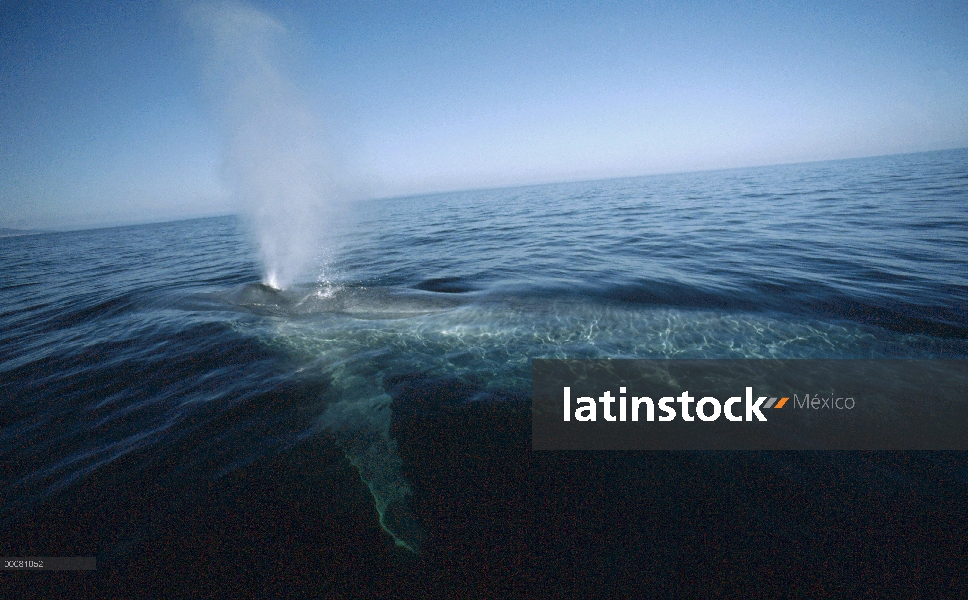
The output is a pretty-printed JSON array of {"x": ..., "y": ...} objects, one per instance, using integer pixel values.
[{"x": 195, "y": 430}]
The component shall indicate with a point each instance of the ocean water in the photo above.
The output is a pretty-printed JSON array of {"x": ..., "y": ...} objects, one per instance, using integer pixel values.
[{"x": 141, "y": 364}]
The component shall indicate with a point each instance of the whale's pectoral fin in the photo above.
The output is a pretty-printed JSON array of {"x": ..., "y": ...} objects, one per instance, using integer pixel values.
[{"x": 361, "y": 425}]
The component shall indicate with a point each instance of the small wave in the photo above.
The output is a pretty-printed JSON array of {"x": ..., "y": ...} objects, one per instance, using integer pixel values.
[{"x": 446, "y": 285}]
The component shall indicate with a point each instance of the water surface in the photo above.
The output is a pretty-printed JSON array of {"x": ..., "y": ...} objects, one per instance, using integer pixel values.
[{"x": 127, "y": 348}]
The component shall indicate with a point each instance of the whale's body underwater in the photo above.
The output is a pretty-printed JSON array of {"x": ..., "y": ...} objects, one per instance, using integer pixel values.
[{"x": 358, "y": 338}]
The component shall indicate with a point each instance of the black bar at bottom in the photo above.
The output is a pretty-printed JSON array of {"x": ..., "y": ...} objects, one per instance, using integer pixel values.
[{"x": 48, "y": 563}]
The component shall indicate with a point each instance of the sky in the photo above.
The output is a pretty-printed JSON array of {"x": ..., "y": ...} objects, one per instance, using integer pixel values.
[{"x": 116, "y": 112}]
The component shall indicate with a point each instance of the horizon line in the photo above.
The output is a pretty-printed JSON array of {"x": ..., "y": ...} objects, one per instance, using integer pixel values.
[{"x": 20, "y": 232}]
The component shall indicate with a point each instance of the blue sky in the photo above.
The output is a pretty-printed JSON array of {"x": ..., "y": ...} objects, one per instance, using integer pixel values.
[{"x": 110, "y": 112}]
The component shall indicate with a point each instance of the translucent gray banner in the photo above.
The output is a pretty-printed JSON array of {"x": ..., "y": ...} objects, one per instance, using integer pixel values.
[
  {"x": 49, "y": 563},
  {"x": 750, "y": 404}
]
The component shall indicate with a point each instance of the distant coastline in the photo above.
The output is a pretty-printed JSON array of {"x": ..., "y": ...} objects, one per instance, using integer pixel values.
[{"x": 7, "y": 232}]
